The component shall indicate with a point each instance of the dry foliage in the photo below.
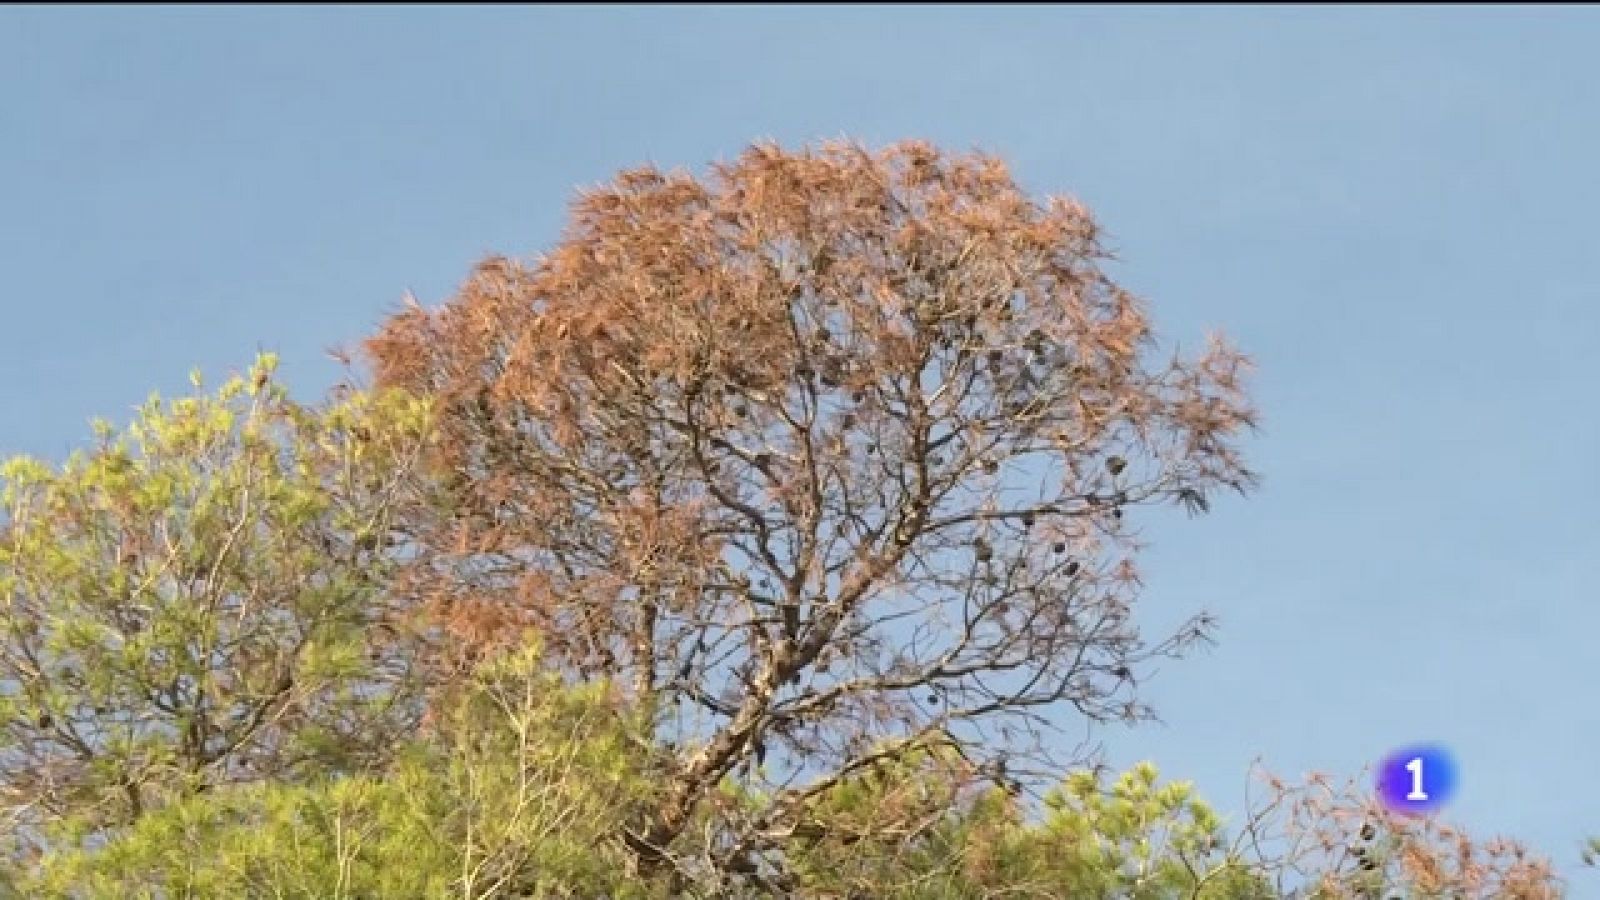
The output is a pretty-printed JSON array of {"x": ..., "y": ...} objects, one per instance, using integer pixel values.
[
  {"x": 1331, "y": 841},
  {"x": 827, "y": 449}
]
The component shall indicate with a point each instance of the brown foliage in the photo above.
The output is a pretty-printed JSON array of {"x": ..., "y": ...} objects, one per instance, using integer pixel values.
[
  {"x": 827, "y": 447},
  {"x": 1336, "y": 842}
]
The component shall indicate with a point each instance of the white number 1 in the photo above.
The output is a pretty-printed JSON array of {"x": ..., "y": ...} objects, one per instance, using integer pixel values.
[{"x": 1415, "y": 768}]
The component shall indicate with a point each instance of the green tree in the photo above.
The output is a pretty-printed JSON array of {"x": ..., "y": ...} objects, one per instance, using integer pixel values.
[
  {"x": 201, "y": 600},
  {"x": 926, "y": 832},
  {"x": 518, "y": 788}
]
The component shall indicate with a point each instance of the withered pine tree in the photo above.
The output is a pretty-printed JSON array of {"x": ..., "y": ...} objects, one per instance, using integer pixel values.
[{"x": 825, "y": 458}]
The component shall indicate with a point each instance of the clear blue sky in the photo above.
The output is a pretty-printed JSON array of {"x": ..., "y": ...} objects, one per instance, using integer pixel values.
[{"x": 1393, "y": 210}]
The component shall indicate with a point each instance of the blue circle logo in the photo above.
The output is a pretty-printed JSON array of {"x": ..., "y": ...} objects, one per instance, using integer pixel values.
[{"x": 1417, "y": 780}]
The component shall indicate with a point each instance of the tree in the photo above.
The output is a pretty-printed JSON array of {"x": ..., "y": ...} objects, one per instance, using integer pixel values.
[
  {"x": 1132, "y": 839},
  {"x": 825, "y": 460},
  {"x": 744, "y": 546},
  {"x": 517, "y": 790},
  {"x": 1135, "y": 839},
  {"x": 201, "y": 601},
  {"x": 1320, "y": 840}
]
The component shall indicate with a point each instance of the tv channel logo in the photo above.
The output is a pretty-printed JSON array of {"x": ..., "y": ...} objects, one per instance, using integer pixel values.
[{"x": 1417, "y": 780}]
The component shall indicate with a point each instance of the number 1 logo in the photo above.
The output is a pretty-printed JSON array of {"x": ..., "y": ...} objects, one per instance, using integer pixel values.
[{"x": 1417, "y": 780}]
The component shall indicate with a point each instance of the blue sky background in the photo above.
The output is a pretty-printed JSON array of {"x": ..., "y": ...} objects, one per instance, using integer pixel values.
[{"x": 1393, "y": 210}]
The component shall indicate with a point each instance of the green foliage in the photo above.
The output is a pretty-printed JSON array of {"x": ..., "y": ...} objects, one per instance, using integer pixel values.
[
  {"x": 518, "y": 789},
  {"x": 1137, "y": 840},
  {"x": 197, "y": 602},
  {"x": 917, "y": 830}
]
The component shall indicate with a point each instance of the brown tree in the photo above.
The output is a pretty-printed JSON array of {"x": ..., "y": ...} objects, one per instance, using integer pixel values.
[{"x": 826, "y": 456}]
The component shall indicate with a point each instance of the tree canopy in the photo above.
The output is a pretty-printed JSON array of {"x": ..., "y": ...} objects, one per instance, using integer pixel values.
[
  {"x": 826, "y": 458},
  {"x": 197, "y": 601},
  {"x": 755, "y": 541}
]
